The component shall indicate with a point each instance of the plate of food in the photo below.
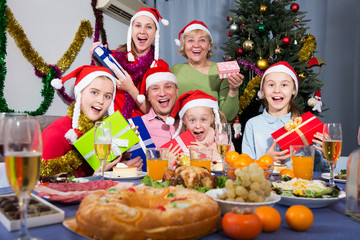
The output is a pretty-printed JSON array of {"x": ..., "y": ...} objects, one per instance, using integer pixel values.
[
  {"x": 278, "y": 168},
  {"x": 311, "y": 193},
  {"x": 114, "y": 176},
  {"x": 338, "y": 177}
]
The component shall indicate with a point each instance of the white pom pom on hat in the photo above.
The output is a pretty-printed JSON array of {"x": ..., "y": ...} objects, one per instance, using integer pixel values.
[
  {"x": 154, "y": 14},
  {"x": 283, "y": 67},
  {"x": 193, "y": 25}
]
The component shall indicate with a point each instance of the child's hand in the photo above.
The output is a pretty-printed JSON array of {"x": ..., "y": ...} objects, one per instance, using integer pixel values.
[
  {"x": 278, "y": 157},
  {"x": 198, "y": 145},
  {"x": 318, "y": 139},
  {"x": 125, "y": 84},
  {"x": 109, "y": 165},
  {"x": 173, "y": 152},
  {"x": 93, "y": 46}
]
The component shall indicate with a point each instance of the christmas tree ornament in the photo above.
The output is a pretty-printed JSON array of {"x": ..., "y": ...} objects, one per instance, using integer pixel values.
[
  {"x": 261, "y": 27},
  {"x": 297, "y": 22},
  {"x": 224, "y": 58},
  {"x": 229, "y": 19},
  {"x": 262, "y": 64},
  {"x": 263, "y": 8},
  {"x": 234, "y": 28},
  {"x": 318, "y": 103},
  {"x": 278, "y": 50},
  {"x": 270, "y": 59},
  {"x": 301, "y": 76},
  {"x": 311, "y": 102},
  {"x": 237, "y": 128},
  {"x": 229, "y": 34},
  {"x": 248, "y": 45},
  {"x": 294, "y": 7},
  {"x": 286, "y": 40},
  {"x": 242, "y": 27},
  {"x": 240, "y": 52}
]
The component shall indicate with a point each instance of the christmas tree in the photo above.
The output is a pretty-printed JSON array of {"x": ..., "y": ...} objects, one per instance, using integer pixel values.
[{"x": 263, "y": 32}]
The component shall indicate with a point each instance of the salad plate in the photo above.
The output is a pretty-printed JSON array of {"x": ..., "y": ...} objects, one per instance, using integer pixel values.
[
  {"x": 108, "y": 175},
  {"x": 327, "y": 177},
  {"x": 310, "y": 202}
]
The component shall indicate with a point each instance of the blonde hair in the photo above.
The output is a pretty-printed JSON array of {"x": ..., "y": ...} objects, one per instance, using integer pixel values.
[{"x": 181, "y": 51}]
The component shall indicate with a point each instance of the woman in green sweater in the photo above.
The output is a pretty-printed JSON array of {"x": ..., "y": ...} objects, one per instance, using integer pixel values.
[{"x": 201, "y": 73}]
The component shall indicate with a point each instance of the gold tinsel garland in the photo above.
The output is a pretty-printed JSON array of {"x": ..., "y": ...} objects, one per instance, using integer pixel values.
[
  {"x": 71, "y": 160},
  {"x": 249, "y": 93},
  {"x": 308, "y": 48},
  {"x": 15, "y": 30}
]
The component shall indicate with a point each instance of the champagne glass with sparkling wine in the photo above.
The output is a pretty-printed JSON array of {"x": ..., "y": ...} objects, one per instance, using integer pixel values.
[
  {"x": 22, "y": 151},
  {"x": 102, "y": 141},
  {"x": 223, "y": 141},
  {"x": 332, "y": 143}
]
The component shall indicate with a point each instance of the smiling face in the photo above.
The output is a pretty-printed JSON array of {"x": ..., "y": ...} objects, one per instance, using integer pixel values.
[
  {"x": 196, "y": 46},
  {"x": 162, "y": 97},
  {"x": 97, "y": 97},
  {"x": 278, "y": 89},
  {"x": 198, "y": 121},
  {"x": 143, "y": 34}
]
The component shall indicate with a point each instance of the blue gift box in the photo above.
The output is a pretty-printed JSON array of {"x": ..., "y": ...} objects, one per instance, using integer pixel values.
[
  {"x": 145, "y": 141},
  {"x": 107, "y": 60}
]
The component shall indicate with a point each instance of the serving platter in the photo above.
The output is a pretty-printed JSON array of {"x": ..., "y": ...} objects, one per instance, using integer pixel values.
[
  {"x": 327, "y": 177},
  {"x": 108, "y": 175},
  {"x": 310, "y": 202}
]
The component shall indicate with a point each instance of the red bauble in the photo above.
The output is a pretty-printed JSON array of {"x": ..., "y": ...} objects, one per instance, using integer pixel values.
[
  {"x": 294, "y": 7},
  {"x": 229, "y": 34},
  {"x": 286, "y": 40},
  {"x": 240, "y": 52}
]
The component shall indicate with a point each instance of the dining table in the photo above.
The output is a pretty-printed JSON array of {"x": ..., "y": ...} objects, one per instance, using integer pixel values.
[{"x": 329, "y": 223}]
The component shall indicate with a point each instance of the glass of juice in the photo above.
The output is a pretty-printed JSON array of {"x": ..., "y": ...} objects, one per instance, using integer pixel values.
[
  {"x": 156, "y": 162},
  {"x": 201, "y": 157},
  {"x": 302, "y": 161}
]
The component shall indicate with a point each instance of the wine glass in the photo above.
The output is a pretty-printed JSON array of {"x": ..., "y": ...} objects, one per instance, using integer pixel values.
[
  {"x": 102, "y": 141},
  {"x": 223, "y": 141},
  {"x": 332, "y": 143},
  {"x": 358, "y": 136},
  {"x": 22, "y": 151}
]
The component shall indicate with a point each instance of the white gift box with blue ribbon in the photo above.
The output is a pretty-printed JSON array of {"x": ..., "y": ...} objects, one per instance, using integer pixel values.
[
  {"x": 139, "y": 149},
  {"x": 107, "y": 60}
]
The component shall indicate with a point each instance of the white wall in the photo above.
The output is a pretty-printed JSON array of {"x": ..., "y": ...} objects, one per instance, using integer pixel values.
[{"x": 50, "y": 26}]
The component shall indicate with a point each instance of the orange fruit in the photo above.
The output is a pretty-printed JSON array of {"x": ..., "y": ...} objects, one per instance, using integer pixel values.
[
  {"x": 266, "y": 160},
  {"x": 270, "y": 218},
  {"x": 244, "y": 160},
  {"x": 231, "y": 157},
  {"x": 287, "y": 172},
  {"x": 299, "y": 217}
]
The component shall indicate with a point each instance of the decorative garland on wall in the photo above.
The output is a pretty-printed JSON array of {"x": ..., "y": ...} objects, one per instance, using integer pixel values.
[
  {"x": 3, "y": 39},
  {"x": 45, "y": 71},
  {"x": 99, "y": 24}
]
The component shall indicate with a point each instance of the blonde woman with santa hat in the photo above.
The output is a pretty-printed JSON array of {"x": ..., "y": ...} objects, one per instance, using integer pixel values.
[
  {"x": 278, "y": 88},
  {"x": 94, "y": 91},
  {"x": 136, "y": 57},
  {"x": 199, "y": 72},
  {"x": 198, "y": 113}
]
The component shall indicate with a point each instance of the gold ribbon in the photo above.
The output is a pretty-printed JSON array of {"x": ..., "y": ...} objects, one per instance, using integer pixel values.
[
  {"x": 293, "y": 123},
  {"x": 297, "y": 129}
]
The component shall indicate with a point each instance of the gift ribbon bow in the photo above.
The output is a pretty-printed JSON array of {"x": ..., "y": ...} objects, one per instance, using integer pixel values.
[
  {"x": 106, "y": 55},
  {"x": 295, "y": 125}
]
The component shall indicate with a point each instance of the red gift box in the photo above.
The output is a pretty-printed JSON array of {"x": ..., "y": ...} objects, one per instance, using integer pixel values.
[
  {"x": 183, "y": 140},
  {"x": 226, "y": 69},
  {"x": 298, "y": 131}
]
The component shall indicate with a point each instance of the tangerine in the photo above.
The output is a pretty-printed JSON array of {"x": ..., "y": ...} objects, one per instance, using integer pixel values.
[
  {"x": 231, "y": 157},
  {"x": 299, "y": 217},
  {"x": 244, "y": 159},
  {"x": 270, "y": 218},
  {"x": 266, "y": 160},
  {"x": 287, "y": 172}
]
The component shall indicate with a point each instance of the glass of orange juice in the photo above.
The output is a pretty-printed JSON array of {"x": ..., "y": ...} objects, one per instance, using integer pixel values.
[
  {"x": 156, "y": 162},
  {"x": 201, "y": 157},
  {"x": 302, "y": 161}
]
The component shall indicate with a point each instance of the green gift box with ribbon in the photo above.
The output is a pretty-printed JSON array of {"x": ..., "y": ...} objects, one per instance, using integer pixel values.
[{"x": 124, "y": 138}]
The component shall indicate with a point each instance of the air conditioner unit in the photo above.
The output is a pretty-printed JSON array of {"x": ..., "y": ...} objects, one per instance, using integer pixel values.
[{"x": 121, "y": 10}]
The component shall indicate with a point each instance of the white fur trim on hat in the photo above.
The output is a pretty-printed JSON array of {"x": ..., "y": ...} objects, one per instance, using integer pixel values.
[
  {"x": 198, "y": 103},
  {"x": 57, "y": 83},
  {"x": 71, "y": 136},
  {"x": 160, "y": 77},
  {"x": 196, "y": 26}
]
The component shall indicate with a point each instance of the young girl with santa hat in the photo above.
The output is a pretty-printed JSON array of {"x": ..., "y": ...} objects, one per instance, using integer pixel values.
[
  {"x": 198, "y": 113},
  {"x": 278, "y": 88},
  {"x": 94, "y": 91}
]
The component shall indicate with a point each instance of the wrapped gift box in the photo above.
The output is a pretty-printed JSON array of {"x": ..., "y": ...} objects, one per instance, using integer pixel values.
[
  {"x": 107, "y": 60},
  {"x": 298, "y": 131},
  {"x": 120, "y": 130},
  {"x": 145, "y": 141},
  {"x": 226, "y": 69},
  {"x": 183, "y": 140}
]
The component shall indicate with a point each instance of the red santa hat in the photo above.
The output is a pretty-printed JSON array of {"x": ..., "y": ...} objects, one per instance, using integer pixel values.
[
  {"x": 156, "y": 74},
  {"x": 283, "y": 67},
  {"x": 154, "y": 14},
  {"x": 84, "y": 76},
  {"x": 193, "y": 25},
  {"x": 317, "y": 95},
  {"x": 189, "y": 100}
]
